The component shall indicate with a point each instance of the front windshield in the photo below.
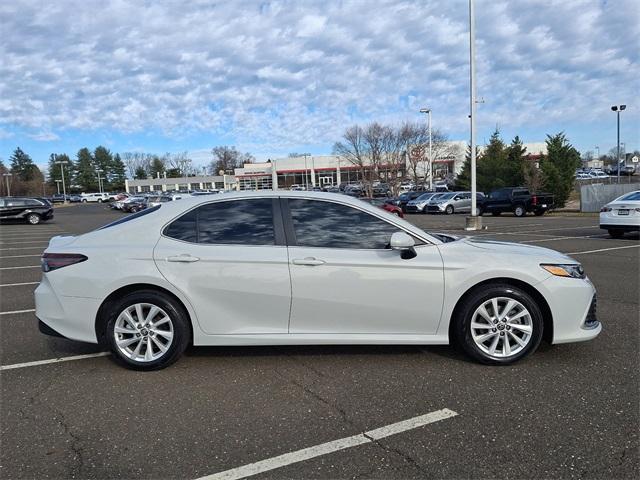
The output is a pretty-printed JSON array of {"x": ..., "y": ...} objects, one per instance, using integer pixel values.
[
  {"x": 446, "y": 196},
  {"x": 425, "y": 196}
]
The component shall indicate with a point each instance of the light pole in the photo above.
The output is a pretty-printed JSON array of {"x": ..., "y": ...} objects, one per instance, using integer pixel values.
[
  {"x": 62, "y": 163},
  {"x": 618, "y": 109},
  {"x": 98, "y": 171},
  {"x": 428, "y": 112},
  {"x": 6, "y": 177},
  {"x": 474, "y": 222},
  {"x": 305, "y": 172},
  {"x": 58, "y": 185}
]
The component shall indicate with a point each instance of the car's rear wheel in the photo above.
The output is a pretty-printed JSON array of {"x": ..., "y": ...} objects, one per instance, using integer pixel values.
[
  {"x": 519, "y": 211},
  {"x": 616, "y": 233},
  {"x": 147, "y": 330},
  {"x": 498, "y": 324},
  {"x": 34, "y": 218},
  {"x": 539, "y": 213},
  {"x": 496, "y": 214}
]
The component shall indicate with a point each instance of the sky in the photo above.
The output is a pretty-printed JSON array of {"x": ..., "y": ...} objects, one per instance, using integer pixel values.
[{"x": 273, "y": 77}]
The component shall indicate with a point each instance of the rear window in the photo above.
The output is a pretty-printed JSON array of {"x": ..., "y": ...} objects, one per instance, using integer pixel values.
[
  {"x": 130, "y": 217},
  {"x": 631, "y": 196}
]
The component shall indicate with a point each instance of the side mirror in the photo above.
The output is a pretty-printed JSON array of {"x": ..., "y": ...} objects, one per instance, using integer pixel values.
[{"x": 404, "y": 243}]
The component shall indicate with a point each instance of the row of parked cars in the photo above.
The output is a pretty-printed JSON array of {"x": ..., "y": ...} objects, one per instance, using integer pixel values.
[{"x": 518, "y": 200}]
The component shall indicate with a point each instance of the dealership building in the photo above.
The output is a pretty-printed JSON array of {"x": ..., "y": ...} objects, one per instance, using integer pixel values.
[{"x": 311, "y": 171}]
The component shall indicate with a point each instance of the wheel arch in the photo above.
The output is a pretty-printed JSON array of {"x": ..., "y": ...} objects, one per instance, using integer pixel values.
[
  {"x": 101, "y": 317},
  {"x": 547, "y": 316}
]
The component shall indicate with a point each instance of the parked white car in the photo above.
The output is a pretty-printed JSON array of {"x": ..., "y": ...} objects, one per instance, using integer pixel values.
[
  {"x": 276, "y": 268},
  {"x": 622, "y": 215},
  {"x": 94, "y": 197}
]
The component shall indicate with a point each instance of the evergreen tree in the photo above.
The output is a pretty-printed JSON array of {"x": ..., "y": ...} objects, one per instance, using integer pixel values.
[
  {"x": 492, "y": 165},
  {"x": 22, "y": 166},
  {"x": 516, "y": 158},
  {"x": 156, "y": 166},
  {"x": 559, "y": 166},
  {"x": 55, "y": 170},
  {"x": 86, "y": 176},
  {"x": 103, "y": 160},
  {"x": 118, "y": 173},
  {"x": 140, "y": 173},
  {"x": 463, "y": 180}
]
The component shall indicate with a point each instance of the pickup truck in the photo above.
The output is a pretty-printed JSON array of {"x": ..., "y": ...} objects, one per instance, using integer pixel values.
[{"x": 517, "y": 200}]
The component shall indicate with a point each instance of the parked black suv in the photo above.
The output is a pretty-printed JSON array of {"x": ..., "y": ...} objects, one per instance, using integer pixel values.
[
  {"x": 33, "y": 210},
  {"x": 517, "y": 200}
]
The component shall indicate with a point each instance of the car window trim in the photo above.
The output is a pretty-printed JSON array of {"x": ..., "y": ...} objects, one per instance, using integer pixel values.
[{"x": 291, "y": 236}]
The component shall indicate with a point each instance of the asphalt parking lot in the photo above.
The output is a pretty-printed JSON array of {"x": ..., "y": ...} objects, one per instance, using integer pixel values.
[{"x": 568, "y": 411}]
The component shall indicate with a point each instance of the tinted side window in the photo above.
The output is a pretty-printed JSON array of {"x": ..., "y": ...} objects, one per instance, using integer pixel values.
[
  {"x": 331, "y": 225},
  {"x": 183, "y": 228},
  {"x": 16, "y": 202},
  {"x": 237, "y": 222}
]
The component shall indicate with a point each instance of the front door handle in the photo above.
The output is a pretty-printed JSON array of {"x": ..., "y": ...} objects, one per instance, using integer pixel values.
[
  {"x": 184, "y": 258},
  {"x": 309, "y": 261}
]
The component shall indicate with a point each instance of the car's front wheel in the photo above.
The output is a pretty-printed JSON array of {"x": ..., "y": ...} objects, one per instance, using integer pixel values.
[
  {"x": 449, "y": 209},
  {"x": 34, "y": 218},
  {"x": 147, "y": 330},
  {"x": 498, "y": 324}
]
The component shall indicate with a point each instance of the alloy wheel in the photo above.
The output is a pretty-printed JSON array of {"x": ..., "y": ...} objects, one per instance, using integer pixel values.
[
  {"x": 501, "y": 327},
  {"x": 143, "y": 332}
]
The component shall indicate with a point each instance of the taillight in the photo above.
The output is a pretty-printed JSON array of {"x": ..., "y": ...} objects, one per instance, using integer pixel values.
[
  {"x": 606, "y": 209},
  {"x": 53, "y": 261},
  {"x": 534, "y": 200}
]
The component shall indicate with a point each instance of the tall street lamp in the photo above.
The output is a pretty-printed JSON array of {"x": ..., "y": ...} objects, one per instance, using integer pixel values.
[
  {"x": 474, "y": 222},
  {"x": 62, "y": 163},
  {"x": 428, "y": 112},
  {"x": 618, "y": 109},
  {"x": 98, "y": 171},
  {"x": 6, "y": 177}
]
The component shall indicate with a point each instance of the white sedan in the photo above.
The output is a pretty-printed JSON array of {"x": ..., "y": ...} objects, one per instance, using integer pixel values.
[
  {"x": 281, "y": 268},
  {"x": 622, "y": 215}
]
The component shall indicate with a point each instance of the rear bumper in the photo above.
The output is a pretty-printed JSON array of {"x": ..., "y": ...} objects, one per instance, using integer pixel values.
[
  {"x": 75, "y": 320},
  {"x": 620, "y": 226}
]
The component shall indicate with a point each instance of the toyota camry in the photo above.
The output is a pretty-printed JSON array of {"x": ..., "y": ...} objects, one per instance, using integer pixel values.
[{"x": 282, "y": 268}]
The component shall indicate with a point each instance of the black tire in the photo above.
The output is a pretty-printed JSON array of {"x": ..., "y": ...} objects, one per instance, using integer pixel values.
[
  {"x": 99, "y": 200},
  {"x": 461, "y": 327},
  {"x": 519, "y": 211},
  {"x": 496, "y": 214},
  {"x": 179, "y": 319},
  {"x": 84, "y": 200},
  {"x": 449, "y": 209},
  {"x": 616, "y": 233},
  {"x": 539, "y": 213},
  {"x": 34, "y": 219}
]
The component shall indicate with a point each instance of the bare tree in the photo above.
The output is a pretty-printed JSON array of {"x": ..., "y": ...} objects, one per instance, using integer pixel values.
[
  {"x": 415, "y": 138},
  {"x": 226, "y": 159},
  {"x": 353, "y": 149}
]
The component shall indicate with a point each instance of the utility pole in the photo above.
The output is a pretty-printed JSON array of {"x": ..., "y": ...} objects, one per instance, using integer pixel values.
[
  {"x": 474, "y": 222},
  {"x": 58, "y": 185},
  {"x": 62, "y": 163}
]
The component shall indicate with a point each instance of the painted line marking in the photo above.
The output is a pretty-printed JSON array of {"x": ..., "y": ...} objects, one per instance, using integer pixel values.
[
  {"x": 602, "y": 250},
  {"x": 15, "y": 268},
  {"x": 53, "y": 360},
  {"x": 15, "y": 312},
  {"x": 330, "y": 447},
  {"x": 21, "y": 248},
  {"x": 18, "y": 284},
  {"x": 20, "y": 256},
  {"x": 22, "y": 243},
  {"x": 585, "y": 237}
]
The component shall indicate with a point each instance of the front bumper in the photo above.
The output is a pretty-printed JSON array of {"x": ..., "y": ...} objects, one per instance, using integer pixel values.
[
  {"x": 435, "y": 208},
  {"x": 573, "y": 307}
]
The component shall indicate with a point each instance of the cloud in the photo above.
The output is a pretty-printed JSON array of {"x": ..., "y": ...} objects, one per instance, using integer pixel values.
[
  {"x": 273, "y": 75},
  {"x": 44, "y": 137}
]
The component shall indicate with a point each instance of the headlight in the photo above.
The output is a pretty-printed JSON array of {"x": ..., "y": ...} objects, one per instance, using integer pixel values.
[{"x": 573, "y": 270}]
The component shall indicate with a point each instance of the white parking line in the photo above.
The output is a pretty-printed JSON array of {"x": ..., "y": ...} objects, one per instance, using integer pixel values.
[
  {"x": 42, "y": 242},
  {"x": 20, "y": 256},
  {"x": 584, "y": 237},
  {"x": 14, "y": 312},
  {"x": 18, "y": 284},
  {"x": 602, "y": 250},
  {"x": 20, "y": 248},
  {"x": 15, "y": 268},
  {"x": 330, "y": 447},
  {"x": 53, "y": 360}
]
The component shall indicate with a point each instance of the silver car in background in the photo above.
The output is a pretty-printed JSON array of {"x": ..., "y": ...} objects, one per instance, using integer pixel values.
[
  {"x": 419, "y": 204},
  {"x": 452, "y": 202}
]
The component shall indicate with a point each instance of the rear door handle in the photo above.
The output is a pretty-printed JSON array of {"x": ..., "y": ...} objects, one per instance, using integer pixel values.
[
  {"x": 309, "y": 261},
  {"x": 184, "y": 258}
]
